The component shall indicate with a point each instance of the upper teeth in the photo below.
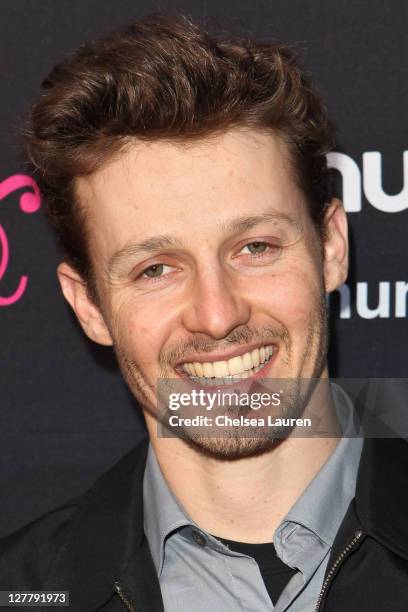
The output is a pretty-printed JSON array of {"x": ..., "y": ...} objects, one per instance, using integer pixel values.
[{"x": 235, "y": 366}]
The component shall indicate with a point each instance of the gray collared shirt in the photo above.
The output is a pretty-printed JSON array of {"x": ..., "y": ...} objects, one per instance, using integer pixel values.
[{"x": 198, "y": 573}]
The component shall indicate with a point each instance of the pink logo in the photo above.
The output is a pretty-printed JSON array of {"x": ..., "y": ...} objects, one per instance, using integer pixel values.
[{"x": 29, "y": 203}]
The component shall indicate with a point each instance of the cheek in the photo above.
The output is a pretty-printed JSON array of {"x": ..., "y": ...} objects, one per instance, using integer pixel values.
[
  {"x": 291, "y": 298},
  {"x": 140, "y": 330}
]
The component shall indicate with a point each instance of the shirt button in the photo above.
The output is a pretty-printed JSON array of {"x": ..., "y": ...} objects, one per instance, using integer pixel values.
[{"x": 198, "y": 538}]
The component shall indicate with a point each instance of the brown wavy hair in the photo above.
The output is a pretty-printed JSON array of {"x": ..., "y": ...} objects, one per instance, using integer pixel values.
[{"x": 163, "y": 77}]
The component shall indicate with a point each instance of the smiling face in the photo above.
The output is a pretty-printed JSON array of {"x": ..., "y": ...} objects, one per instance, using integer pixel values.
[{"x": 207, "y": 265}]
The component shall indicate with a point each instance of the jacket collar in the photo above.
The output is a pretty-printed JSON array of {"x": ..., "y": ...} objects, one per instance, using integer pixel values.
[
  {"x": 105, "y": 542},
  {"x": 381, "y": 500}
]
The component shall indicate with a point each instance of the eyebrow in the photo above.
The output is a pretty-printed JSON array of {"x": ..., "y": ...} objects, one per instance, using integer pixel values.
[
  {"x": 158, "y": 243},
  {"x": 150, "y": 245},
  {"x": 245, "y": 223}
]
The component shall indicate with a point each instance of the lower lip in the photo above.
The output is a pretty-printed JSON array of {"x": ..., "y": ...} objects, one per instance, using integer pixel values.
[{"x": 263, "y": 373}]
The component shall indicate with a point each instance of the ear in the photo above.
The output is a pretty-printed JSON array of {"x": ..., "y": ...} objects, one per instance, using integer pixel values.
[
  {"x": 335, "y": 246},
  {"x": 90, "y": 317}
]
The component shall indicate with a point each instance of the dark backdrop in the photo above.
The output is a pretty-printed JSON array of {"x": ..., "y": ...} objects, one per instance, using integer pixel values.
[{"x": 65, "y": 413}]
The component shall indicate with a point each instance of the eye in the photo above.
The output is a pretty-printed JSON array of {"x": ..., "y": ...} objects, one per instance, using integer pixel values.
[
  {"x": 256, "y": 248},
  {"x": 155, "y": 271},
  {"x": 259, "y": 252}
]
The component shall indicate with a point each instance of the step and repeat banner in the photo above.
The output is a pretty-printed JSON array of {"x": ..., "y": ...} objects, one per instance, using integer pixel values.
[{"x": 65, "y": 413}]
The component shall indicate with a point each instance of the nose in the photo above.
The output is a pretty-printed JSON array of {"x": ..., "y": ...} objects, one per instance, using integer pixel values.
[{"x": 215, "y": 307}]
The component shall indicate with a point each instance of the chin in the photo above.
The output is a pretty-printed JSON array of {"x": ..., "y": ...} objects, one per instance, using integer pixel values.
[{"x": 233, "y": 447}]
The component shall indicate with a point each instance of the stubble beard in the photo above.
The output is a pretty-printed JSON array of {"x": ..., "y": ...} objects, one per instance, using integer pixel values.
[{"x": 233, "y": 445}]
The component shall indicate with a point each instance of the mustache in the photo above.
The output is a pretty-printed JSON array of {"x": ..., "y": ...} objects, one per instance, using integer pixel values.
[{"x": 244, "y": 335}]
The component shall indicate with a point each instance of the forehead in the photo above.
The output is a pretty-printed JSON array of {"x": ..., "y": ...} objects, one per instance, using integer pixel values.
[{"x": 188, "y": 189}]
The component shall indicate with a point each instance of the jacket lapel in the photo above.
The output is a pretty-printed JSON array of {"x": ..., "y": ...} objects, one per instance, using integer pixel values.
[
  {"x": 381, "y": 494},
  {"x": 380, "y": 506},
  {"x": 105, "y": 542},
  {"x": 139, "y": 579}
]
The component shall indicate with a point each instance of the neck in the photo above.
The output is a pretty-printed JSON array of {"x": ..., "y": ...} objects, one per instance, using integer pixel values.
[{"x": 246, "y": 499}]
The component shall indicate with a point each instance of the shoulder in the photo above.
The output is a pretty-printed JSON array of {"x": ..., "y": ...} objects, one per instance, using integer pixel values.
[
  {"x": 85, "y": 532},
  {"x": 26, "y": 554}
]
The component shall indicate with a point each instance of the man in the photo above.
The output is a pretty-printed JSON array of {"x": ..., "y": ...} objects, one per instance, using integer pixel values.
[{"x": 187, "y": 181}]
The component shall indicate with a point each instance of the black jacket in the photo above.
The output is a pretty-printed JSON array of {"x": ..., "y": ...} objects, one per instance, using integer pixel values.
[{"x": 95, "y": 547}]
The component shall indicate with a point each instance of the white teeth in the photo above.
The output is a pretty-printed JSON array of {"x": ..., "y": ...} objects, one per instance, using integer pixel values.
[
  {"x": 208, "y": 370},
  {"x": 193, "y": 369},
  {"x": 255, "y": 357},
  {"x": 236, "y": 367},
  {"x": 189, "y": 367},
  {"x": 220, "y": 369},
  {"x": 198, "y": 368},
  {"x": 247, "y": 361}
]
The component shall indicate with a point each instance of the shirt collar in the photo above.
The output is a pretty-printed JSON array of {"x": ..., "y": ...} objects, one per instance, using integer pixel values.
[
  {"x": 323, "y": 504},
  {"x": 163, "y": 513}
]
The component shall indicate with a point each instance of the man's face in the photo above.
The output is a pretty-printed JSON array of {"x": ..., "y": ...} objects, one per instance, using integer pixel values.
[{"x": 206, "y": 264}]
